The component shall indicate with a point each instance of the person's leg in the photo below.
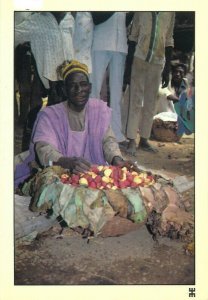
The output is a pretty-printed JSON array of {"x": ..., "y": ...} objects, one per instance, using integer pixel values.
[
  {"x": 24, "y": 90},
  {"x": 138, "y": 77},
  {"x": 125, "y": 108},
  {"x": 16, "y": 113},
  {"x": 100, "y": 61},
  {"x": 32, "y": 115},
  {"x": 116, "y": 71},
  {"x": 104, "y": 93},
  {"x": 37, "y": 91},
  {"x": 152, "y": 82},
  {"x": 24, "y": 81}
]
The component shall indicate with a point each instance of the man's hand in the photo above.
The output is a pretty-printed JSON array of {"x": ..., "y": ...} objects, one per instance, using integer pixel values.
[
  {"x": 76, "y": 165},
  {"x": 118, "y": 161},
  {"x": 165, "y": 77},
  {"x": 128, "y": 65},
  {"x": 173, "y": 98},
  {"x": 167, "y": 68}
]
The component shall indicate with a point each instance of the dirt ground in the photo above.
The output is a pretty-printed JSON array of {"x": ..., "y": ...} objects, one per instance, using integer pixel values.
[{"x": 131, "y": 259}]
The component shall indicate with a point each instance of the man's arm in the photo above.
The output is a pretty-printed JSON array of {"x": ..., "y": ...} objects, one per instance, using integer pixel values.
[
  {"x": 132, "y": 42},
  {"x": 112, "y": 152},
  {"x": 129, "y": 17},
  {"x": 167, "y": 67},
  {"x": 110, "y": 146},
  {"x": 46, "y": 153},
  {"x": 101, "y": 16},
  {"x": 129, "y": 61},
  {"x": 169, "y": 44}
]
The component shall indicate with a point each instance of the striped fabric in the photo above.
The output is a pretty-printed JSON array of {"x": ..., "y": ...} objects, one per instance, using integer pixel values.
[
  {"x": 82, "y": 39},
  {"x": 51, "y": 43},
  {"x": 153, "y": 37},
  {"x": 152, "y": 31}
]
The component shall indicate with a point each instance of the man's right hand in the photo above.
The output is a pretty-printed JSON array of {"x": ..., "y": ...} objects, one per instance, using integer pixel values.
[
  {"x": 173, "y": 98},
  {"x": 129, "y": 61},
  {"x": 74, "y": 164}
]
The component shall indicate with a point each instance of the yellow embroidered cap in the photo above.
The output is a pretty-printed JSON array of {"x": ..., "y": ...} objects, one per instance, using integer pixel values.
[{"x": 71, "y": 66}]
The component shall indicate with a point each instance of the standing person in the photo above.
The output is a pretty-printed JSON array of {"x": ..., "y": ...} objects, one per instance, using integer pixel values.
[
  {"x": 22, "y": 67},
  {"x": 29, "y": 86},
  {"x": 109, "y": 50},
  {"x": 50, "y": 36},
  {"x": 151, "y": 42},
  {"x": 83, "y": 37}
]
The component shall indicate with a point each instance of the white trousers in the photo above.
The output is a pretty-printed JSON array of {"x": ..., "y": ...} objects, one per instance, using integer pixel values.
[{"x": 116, "y": 62}]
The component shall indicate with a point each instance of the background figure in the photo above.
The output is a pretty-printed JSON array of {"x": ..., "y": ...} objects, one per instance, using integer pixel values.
[
  {"x": 168, "y": 96},
  {"x": 23, "y": 75},
  {"x": 184, "y": 38},
  {"x": 50, "y": 35},
  {"x": 105, "y": 91},
  {"x": 185, "y": 108},
  {"x": 109, "y": 50},
  {"x": 22, "y": 70},
  {"x": 29, "y": 89},
  {"x": 151, "y": 43},
  {"x": 82, "y": 38}
]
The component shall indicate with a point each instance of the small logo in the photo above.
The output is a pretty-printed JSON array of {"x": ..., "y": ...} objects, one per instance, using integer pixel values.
[{"x": 192, "y": 292}]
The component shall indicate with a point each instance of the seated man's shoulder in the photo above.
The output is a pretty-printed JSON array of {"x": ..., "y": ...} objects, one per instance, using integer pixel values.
[
  {"x": 98, "y": 105},
  {"x": 97, "y": 102},
  {"x": 58, "y": 108}
]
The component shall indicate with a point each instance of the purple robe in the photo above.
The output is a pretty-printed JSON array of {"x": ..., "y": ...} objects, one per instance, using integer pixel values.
[{"x": 52, "y": 127}]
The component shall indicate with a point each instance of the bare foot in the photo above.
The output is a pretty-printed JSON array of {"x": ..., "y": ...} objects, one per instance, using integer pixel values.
[
  {"x": 144, "y": 145},
  {"x": 131, "y": 149}
]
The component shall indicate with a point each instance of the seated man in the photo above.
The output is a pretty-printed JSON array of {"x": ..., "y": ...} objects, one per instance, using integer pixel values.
[
  {"x": 178, "y": 98},
  {"x": 73, "y": 134},
  {"x": 168, "y": 96}
]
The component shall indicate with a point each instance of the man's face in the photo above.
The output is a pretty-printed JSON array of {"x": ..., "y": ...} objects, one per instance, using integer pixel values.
[
  {"x": 78, "y": 89},
  {"x": 178, "y": 74}
]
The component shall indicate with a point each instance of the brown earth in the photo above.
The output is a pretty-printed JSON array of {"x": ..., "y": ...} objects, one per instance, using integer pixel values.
[{"x": 131, "y": 259}]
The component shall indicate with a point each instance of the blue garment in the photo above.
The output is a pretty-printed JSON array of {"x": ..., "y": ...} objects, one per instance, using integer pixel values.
[
  {"x": 185, "y": 109},
  {"x": 183, "y": 87}
]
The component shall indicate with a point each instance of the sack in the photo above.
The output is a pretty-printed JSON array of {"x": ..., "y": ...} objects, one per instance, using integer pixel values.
[{"x": 165, "y": 131}]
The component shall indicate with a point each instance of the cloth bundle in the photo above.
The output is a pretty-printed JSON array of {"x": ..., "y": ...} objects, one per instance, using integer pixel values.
[{"x": 109, "y": 212}]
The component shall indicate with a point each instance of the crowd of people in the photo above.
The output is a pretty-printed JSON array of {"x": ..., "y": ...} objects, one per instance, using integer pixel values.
[{"x": 74, "y": 59}]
